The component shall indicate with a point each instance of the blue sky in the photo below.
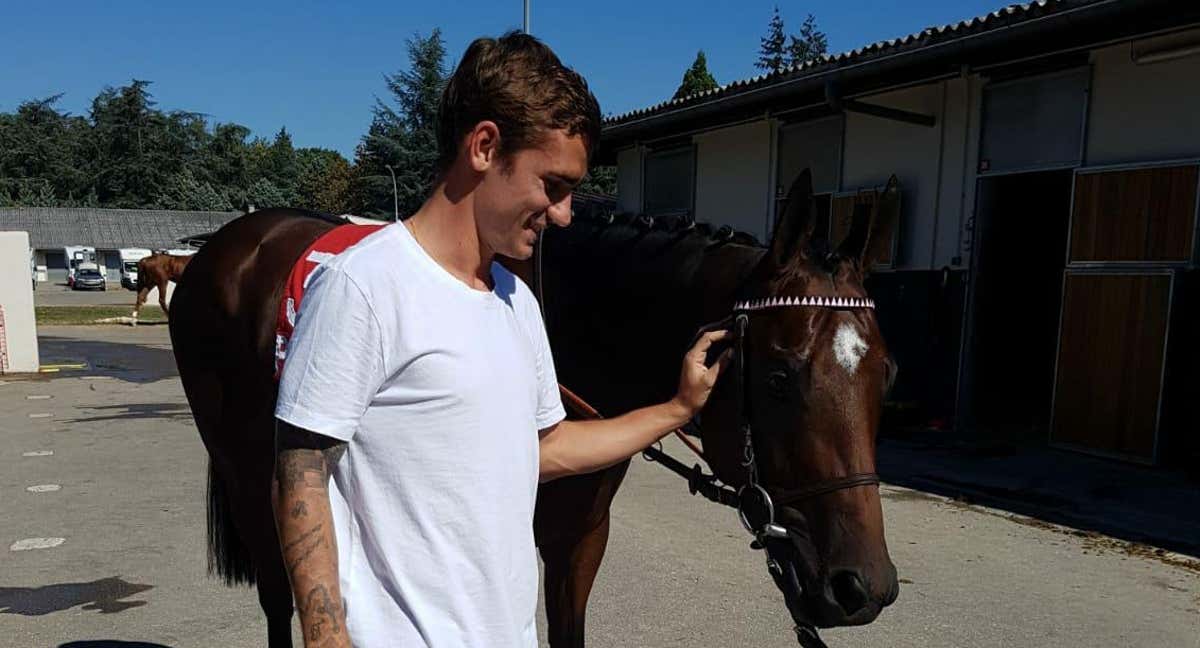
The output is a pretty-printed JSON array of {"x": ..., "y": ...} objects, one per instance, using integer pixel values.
[{"x": 316, "y": 67}]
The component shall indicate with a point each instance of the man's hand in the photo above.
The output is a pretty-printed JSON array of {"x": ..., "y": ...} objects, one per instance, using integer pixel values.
[
  {"x": 576, "y": 447},
  {"x": 697, "y": 379}
]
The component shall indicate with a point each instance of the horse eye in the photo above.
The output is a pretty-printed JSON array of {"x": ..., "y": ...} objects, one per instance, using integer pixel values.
[{"x": 777, "y": 384}]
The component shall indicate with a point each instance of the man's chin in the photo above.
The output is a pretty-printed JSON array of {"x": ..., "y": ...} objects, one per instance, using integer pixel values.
[{"x": 520, "y": 253}]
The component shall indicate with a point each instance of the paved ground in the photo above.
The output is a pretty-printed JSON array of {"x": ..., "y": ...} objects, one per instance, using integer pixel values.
[
  {"x": 130, "y": 565},
  {"x": 50, "y": 294}
]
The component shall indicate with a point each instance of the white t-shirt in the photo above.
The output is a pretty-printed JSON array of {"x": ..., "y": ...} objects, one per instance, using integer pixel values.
[{"x": 440, "y": 391}]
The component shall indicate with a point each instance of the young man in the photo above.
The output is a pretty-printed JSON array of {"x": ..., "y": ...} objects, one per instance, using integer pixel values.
[{"x": 419, "y": 378}]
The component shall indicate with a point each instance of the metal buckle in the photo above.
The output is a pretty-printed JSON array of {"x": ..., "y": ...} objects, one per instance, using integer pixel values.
[{"x": 754, "y": 495}]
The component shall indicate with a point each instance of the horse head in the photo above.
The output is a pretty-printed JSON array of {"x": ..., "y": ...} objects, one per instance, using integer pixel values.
[{"x": 814, "y": 377}]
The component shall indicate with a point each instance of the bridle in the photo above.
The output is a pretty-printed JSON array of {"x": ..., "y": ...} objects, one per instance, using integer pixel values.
[{"x": 755, "y": 502}]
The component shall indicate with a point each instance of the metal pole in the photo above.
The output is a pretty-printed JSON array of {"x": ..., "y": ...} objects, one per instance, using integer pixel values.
[
  {"x": 525, "y": 28},
  {"x": 395, "y": 195}
]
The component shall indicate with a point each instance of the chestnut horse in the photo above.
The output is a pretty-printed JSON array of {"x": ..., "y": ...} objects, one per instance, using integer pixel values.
[
  {"x": 622, "y": 303},
  {"x": 155, "y": 271}
]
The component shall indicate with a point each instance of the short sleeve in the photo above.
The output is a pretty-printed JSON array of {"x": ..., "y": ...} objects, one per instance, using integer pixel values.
[
  {"x": 334, "y": 365},
  {"x": 550, "y": 408}
]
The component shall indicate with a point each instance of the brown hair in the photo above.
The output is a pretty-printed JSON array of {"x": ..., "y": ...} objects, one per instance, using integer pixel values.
[{"x": 519, "y": 83}]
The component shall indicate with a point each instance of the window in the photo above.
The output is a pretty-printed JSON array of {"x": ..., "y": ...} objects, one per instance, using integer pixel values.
[{"x": 669, "y": 182}]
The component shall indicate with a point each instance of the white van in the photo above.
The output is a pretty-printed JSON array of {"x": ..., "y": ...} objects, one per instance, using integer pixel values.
[{"x": 129, "y": 265}]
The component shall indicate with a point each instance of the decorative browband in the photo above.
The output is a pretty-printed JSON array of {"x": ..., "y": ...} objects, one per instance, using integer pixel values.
[{"x": 816, "y": 302}]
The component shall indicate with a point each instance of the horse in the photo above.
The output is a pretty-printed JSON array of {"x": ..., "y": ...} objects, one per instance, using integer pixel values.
[
  {"x": 621, "y": 302},
  {"x": 155, "y": 271}
]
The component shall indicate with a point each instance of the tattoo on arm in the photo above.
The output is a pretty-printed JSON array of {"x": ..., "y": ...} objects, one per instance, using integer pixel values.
[
  {"x": 304, "y": 457},
  {"x": 325, "y": 612},
  {"x": 303, "y": 464}
]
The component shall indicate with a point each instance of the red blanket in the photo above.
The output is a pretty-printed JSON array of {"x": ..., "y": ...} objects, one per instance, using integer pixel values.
[{"x": 329, "y": 245}]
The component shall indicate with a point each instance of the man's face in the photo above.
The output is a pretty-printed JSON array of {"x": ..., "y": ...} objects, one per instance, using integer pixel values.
[{"x": 525, "y": 194}]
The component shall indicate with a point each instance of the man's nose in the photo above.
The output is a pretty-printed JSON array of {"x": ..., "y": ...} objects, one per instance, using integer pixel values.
[{"x": 559, "y": 213}]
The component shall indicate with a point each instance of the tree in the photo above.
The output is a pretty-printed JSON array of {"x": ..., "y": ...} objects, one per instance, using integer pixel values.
[
  {"x": 809, "y": 45},
  {"x": 184, "y": 191},
  {"x": 697, "y": 79},
  {"x": 263, "y": 193},
  {"x": 600, "y": 180},
  {"x": 40, "y": 144},
  {"x": 324, "y": 181},
  {"x": 772, "y": 53},
  {"x": 403, "y": 134},
  {"x": 130, "y": 138}
]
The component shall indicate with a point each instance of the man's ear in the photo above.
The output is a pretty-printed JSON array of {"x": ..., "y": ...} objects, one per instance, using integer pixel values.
[{"x": 483, "y": 145}]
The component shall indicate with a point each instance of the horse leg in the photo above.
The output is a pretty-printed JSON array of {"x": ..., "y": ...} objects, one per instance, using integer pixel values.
[
  {"x": 570, "y": 569},
  {"x": 275, "y": 596},
  {"x": 143, "y": 292},
  {"x": 162, "y": 297}
]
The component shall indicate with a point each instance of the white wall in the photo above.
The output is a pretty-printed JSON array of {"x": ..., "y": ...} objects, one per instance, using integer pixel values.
[
  {"x": 876, "y": 148},
  {"x": 1144, "y": 112},
  {"x": 629, "y": 180},
  {"x": 16, "y": 298},
  {"x": 734, "y": 177}
]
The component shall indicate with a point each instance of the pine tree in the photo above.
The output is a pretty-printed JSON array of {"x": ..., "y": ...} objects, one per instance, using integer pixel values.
[
  {"x": 811, "y": 44},
  {"x": 697, "y": 79},
  {"x": 184, "y": 191},
  {"x": 772, "y": 52},
  {"x": 403, "y": 135},
  {"x": 324, "y": 181}
]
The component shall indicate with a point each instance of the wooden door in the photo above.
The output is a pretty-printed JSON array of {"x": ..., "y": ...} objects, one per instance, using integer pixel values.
[
  {"x": 1111, "y": 355},
  {"x": 1134, "y": 215}
]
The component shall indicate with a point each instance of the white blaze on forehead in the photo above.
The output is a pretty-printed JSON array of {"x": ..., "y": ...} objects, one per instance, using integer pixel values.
[{"x": 848, "y": 347}]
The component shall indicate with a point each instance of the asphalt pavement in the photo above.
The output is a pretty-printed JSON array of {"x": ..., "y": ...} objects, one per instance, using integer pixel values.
[{"x": 102, "y": 542}]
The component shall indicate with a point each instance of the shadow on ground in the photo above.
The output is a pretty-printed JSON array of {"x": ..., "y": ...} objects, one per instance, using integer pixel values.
[
  {"x": 108, "y": 643},
  {"x": 135, "y": 411},
  {"x": 127, "y": 361},
  {"x": 104, "y": 595},
  {"x": 1151, "y": 506}
]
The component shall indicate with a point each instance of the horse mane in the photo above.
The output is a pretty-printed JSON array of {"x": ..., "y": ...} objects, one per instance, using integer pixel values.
[{"x": 664, "y": 230}]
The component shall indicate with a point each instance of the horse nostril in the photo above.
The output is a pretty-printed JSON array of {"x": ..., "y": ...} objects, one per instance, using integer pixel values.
[{"x": 849, "y": 591}]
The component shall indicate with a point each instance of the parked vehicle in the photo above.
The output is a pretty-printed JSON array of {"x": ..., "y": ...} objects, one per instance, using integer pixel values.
[
  {"x": 89, "y": 279},
  {"x": 129, "y": 265},
  {"x": 79, "y": 256}
]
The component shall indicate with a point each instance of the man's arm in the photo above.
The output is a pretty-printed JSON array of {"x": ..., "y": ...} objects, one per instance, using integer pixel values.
[
  {"x": 302, "y": 466},
  {"x": 575, "y": 447}
]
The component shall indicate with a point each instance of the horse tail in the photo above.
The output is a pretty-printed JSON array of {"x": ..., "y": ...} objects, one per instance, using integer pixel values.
[{"x": 228, "y": 556}]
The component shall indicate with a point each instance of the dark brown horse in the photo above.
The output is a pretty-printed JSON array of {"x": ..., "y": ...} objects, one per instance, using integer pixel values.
[
  {"x": 622, "y": 303},
  {"x": 155, "y": 271}
]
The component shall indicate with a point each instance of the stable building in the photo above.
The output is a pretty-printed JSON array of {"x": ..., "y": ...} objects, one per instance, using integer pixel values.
[
  {"x": 1042, "y": 275},
  {"x": 54, "y": 230}
]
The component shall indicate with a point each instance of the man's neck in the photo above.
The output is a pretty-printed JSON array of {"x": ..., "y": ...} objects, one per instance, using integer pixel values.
[{"x": 447, "y": 231}]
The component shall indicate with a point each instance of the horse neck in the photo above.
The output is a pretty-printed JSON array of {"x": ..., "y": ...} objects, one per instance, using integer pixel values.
[{"x": 622, "y": 308}]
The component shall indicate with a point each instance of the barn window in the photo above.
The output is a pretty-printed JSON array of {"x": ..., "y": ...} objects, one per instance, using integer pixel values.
[
  {"x": 669, "y": 182},
  {"x": 1034, "y": 123}
]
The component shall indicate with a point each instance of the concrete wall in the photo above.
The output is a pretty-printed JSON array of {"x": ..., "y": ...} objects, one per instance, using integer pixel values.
[
  {"x": 734, "y": 172},
  {"x": 876, "y": 148},
  {"x": 1144, "y": 112},
  {"x": 815, "y": 145},
  {"x": 629, "y": 180},
  {"x": 16, "y": 299}
]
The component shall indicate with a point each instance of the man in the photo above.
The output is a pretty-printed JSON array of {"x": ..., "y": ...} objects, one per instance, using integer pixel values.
[{"x": 419, "y": 378}]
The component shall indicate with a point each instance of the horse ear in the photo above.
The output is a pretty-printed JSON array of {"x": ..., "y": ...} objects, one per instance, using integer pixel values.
[
  {"x": 855, "y": 243},
  {"x": 795, "y": 225},
  {"x": 883, "y": 224}
]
